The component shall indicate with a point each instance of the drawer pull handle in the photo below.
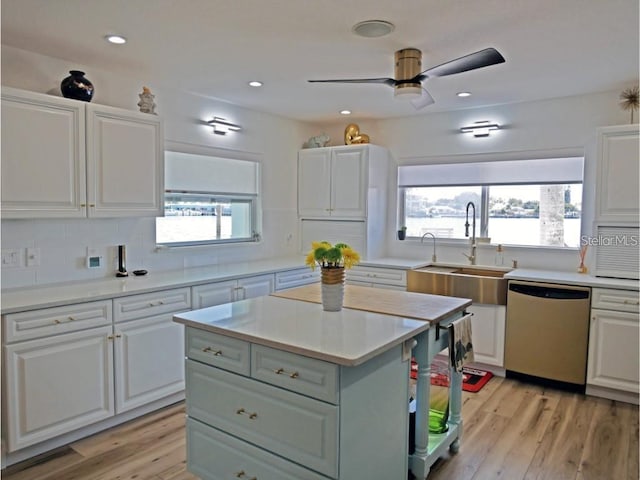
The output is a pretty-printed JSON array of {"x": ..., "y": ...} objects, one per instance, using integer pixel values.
[
  {"x": 242, "y": 411},
  {"x": 241, "y": 474},
  {"x": 56, "y": 321},
  {"x": 217, "y": 353},
  {"x": 280, "y": 371}
]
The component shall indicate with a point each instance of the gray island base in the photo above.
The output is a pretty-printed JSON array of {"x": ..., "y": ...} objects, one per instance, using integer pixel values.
[{"x": 276, "y": 388}]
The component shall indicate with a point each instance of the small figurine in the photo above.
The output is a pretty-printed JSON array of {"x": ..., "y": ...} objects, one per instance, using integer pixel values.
[
  {"x": 146, "y": 103},
  {"x": 318, "y": 141}
]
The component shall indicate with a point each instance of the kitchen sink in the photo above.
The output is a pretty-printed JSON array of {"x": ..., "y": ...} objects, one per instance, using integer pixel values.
[{"x": 482, "y": 285}]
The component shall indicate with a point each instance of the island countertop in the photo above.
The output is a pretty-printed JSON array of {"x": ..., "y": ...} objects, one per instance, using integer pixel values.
[{"x": 349, "y": 337}]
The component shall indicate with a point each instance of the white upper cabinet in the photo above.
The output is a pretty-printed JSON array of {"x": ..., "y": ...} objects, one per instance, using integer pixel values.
[
  {"x": 43, "y": 156},
  {"x": 333, "y": 182},
  {"x": 125, "y": 163},
  {"x": 617, "y": 199},
  {"x": 64, "y": 158}
]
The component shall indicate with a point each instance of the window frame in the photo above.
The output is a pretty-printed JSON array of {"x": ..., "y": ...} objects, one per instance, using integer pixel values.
[
  {"x": 482, "y": 233},
  {"x": 255, "y": 200}
]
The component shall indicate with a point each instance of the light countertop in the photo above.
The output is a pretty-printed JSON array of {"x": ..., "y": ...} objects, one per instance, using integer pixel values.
[
  {"x": 349, "y": 337},
  {"x": 571, "y": 278},
  {"x": 30, "y": 298}
]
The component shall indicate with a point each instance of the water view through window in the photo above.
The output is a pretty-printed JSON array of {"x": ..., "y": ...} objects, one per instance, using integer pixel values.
[{"x": 538, "y": 215}]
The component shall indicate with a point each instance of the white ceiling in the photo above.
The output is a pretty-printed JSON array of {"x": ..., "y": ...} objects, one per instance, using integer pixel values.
[{"x": 553, "y": 48}]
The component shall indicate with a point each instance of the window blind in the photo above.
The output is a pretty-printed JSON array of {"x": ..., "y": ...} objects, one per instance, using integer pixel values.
[
  {"x": 505, "y": 172},
  {"x": 203, "y": 173}
]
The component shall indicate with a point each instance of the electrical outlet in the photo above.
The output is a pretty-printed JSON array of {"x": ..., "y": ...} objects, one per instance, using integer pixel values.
[
  {"x": 33, "y": 257},
  {"x": 11, "y": 257}
]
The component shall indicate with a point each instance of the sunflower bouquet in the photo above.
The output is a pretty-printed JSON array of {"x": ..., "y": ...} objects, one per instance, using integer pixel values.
[{"x": 325, "y": 255}]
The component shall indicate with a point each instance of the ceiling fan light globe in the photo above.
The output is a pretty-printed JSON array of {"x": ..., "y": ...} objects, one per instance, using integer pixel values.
[{"x": 408, "y": 91}]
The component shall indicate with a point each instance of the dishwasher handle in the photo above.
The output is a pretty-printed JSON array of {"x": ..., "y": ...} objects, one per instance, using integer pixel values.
[{"x": 556, "y": 293}]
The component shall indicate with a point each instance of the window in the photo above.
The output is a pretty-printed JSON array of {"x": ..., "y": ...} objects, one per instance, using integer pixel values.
[
  {"x": 519, "y": 202},
  {"x": 208, "y": 200}
]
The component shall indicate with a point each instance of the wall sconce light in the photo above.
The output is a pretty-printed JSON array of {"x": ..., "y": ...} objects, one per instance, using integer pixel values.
[
  {"x": 480, "y": 129},
  {"x": 221, "y": 126}
]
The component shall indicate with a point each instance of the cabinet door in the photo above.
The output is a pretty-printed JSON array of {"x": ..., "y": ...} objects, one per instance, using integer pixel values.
[
  {"x": 43, "y": 156},
  {"x": 57, "y": 384},
  {"x": 149, "y": 361},
  {"x": 487, "y": 326},
  {"x": 614, "y": 350},
  {"x": 349, "y": 182},
  {"x": 314, "y": 182},
  {"x": 213, "y": 294},
  {"x": 617, "y": 183},
  {"x": 125, "y": 163},
  {"x": 257, "y": 286}
]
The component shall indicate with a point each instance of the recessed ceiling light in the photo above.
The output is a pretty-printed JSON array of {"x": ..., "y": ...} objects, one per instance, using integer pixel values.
[
  {"x": 345, "y": 112},
  {"x": 117, "y": 39},
  {"x": 463, "y": 94},
  {"x": 373, "y": 28},
  {"x": 255, "y": 83}
]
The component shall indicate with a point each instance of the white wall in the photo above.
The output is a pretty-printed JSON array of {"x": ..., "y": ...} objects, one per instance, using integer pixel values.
[{"x": 63, "y": 243}]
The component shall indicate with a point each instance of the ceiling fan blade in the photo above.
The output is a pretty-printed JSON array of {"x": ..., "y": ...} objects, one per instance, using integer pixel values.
[
  {"x": 424, "y": 100},
  {"x": 483, "y": 58},
  {"x": 386, "y": 81}
]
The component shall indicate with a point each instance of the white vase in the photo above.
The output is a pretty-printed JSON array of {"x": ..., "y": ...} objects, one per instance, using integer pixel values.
[
  {"x": 332, "y": 297},
  {"x": 332, "y": 280}
]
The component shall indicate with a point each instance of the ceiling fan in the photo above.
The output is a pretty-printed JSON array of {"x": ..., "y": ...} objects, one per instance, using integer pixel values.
[{"x": 408, "y": 75}]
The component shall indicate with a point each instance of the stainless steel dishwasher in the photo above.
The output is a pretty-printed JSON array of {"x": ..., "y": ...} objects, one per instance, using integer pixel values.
[{"x": 547, "y": 331}]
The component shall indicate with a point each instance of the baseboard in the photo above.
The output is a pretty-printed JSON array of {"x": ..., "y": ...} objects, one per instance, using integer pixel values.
[{"x": 618, "y": 395}]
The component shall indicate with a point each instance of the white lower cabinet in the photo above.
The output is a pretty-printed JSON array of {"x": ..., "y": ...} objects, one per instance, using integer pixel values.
[
  {"x": 393, "y": 279},
  {"x": 149, "y": 346},
  {"x": 148, "y": 361},
  {"x": 488, "y": 332},
  {"x": 288, "y": 416},
  {"x": 69, "y": 367},
  {"x": 296, "y": 278},
  {"x": 59, "y": 376},
  {"x": 614, "y": 342},
  {"x": 227, "y": 291}
]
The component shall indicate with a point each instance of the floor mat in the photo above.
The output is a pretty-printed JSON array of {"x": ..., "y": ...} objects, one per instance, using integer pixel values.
[{"x": 472, "y": 378}]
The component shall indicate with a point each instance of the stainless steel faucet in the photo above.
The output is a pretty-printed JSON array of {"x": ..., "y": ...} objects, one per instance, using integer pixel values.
[
  {"x": 472, "y": 257},
  {"x": 433, "y": 257}
]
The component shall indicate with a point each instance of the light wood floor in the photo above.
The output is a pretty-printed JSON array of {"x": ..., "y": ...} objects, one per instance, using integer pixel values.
[{"x": 512, "y": 431}]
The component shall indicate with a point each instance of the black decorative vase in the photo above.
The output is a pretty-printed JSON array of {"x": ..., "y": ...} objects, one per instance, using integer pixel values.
[{"x": 76, "y": 86}]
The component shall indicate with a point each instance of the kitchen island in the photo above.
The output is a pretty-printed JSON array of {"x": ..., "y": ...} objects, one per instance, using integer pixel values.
[{"x": 278, "y": 388}]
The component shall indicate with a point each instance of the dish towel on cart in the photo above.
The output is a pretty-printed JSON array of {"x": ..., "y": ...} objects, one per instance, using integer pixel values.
[{"x": 460, "y": 343}]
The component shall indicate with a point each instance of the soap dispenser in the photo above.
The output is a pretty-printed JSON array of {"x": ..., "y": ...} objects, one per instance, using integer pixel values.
[{"x": 499, "y": 256}]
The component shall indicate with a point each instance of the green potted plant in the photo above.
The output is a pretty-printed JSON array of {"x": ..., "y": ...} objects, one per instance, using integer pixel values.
[
  {"x": 402, "y": 233},
  {"x": 332, "y": 260}
]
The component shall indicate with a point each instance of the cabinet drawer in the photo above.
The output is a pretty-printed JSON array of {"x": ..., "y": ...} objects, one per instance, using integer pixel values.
[
  {"x": 214, "y": 455},
  {"x": 296, "y": 278},
  {"x": 218, "y": 350},
  {"x": 620, "y": 300},
  {"x": 148, "y": 304},
  {"x": 294, "y": 426},
  {"x": 388, "y": 276},
  {"x": 52, "y": 321},
  {"x": 305, "y": 375}
]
